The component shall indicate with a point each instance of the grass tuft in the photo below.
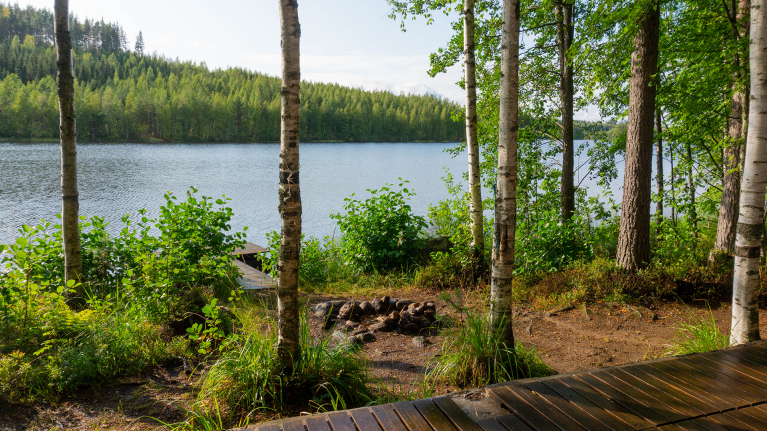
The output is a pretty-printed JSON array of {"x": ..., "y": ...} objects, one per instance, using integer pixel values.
[{"x": 698, "y": 337}]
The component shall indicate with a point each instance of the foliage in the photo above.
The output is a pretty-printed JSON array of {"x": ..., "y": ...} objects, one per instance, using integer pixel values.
[
  {"x": 473, "y": 356},
  {"x": 247, "y": 376},
  {"x": 381, "y": 233},
  {"x": 700, "y": 336},
  {"x": 552, "y": 245},
  {"x": 320, "y": 261}
]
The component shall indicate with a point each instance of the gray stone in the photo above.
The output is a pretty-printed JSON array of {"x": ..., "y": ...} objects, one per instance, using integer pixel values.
[
  {"x": 350, "y": 310},
  {"x": 420, "y": 342},
  {"x": 360, "y": 330},
  {"x": 408, "y": 316},
  {"x": 366, "y": 337},
  {"x": 323, "y": 309},
  {"x": 430, "y": 314},
  {"x": 367, "y": 308},
  {"x": 422, "y": 322},
  {"x": 419, "y": 310},
  {"x": 352, "y": 324},
  {"x": 379, "y": 306},
  {"x": 403, "y": 303},
  {"x": 391, "y": 322},
  {"x": 413, "y": 306},
  {"x": 329, "y": 323},
  {"x": 431, "y": 305},
  {"x": 342, "y": 338}
]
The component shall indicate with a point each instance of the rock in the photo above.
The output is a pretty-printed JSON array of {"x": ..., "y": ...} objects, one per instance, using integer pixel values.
[
  {"x": 391, "y": 322},
  {"x": 323, "y": 309},
  {"x": 329, "y": 323},
  {"x": 394, "y": 315},
  {"x": 420, "y": 342},
  {"x": 360, "y": 330},
  {"x": 352, "y": 324},
  {"x": 342, "y": 338},
  {"x": 403, "y": 303},
  {"x": 411, "y": 327},
  {"x": 382, "y": 326},
  {"x": 413, "y": 306},
  {"x": 385, "y": 300},
  {"x": 392, "y": 304},
  {"x": 431, "y": 305},
  {"x": 408, "y": 316},
  {"x": 419, "y": 310},
  {"x": 349, "y": 310},
  {"x": 422, "y": 322},
  {"x": 366, "y": 337},
  {"x": 430, "y": 314},
  {"x": 379, "y": 306},
  {"x": 367, "y": 308}
]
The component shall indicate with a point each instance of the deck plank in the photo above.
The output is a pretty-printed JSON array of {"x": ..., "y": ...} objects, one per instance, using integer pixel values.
[
  {"x": 720, "y": 382},
  {"x": 689, "y": 426},
  {"x": 411, "y": 417},
  {"x": 271, "y": 427},
  {"x": 735, "y": 421},
  {"x": 294, "y": 425},
  {"x": 340, "y": 421},
  {"x": 554, "y": 415},
  {"x": 752, "y": 385},
  {"x": 733, "y": 396},
  {"x": 629, "y": 398},
  {"x": 688, "y": 385},
  {"x": 756, "y": 371},
  {"x": 709, "y": 424},
  {"x": 666, "y": 394},
  {"x": 530, "y": 416},
  {"x": 491, "y": 424},
  {"x": 619, "y": 411},
  {"x": 365, "y": 420},
  {"x": 317, "y": 423},
  {"x": 571, "y": 410},
  {"x": 759, "y": 417},
  {"x": 388, "y": 418},
  {"x": 457, "y": 416},
  {"x": 433, "y": 415},
  {"x": 513, "y": 423}
]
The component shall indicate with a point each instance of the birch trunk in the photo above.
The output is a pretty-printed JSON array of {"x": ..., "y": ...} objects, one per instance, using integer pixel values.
[
  {"x": 289, "y": 192},
  {"x": 70, "y": 200},
  {"x": 477, "y": 230},
  {"x": 693, "y": 212},
  {"x": 745, "y": 311},
  {"x": 506, "y": 198},
  {"x": 634, "y": 239},
  {"x": 565, "y": 34},
  {"x": 659, "y": 169}
]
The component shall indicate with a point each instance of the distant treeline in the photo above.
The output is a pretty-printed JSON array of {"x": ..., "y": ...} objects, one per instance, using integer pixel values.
[{"x": 123, "y": 95}]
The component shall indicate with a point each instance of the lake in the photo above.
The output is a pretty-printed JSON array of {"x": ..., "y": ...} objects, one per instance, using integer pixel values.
[{"x": 115, "y": 179}]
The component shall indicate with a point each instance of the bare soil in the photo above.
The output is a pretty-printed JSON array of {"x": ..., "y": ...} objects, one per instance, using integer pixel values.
[{"x": 568, "y": 339}]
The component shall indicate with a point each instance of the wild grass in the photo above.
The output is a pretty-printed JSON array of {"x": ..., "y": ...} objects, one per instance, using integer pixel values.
[
  {"x": 473, "y": 354},
  {"x": 700, "y": 336},
  {"x": 247, "y": 377}
]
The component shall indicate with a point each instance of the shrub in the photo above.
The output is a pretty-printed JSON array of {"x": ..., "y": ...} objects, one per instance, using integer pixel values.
[
  {"x": 381, "y": 233},
  {"x": 551, "y": 245}
]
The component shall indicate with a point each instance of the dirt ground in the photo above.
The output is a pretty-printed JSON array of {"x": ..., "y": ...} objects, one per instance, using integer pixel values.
[{"x": 568, "y": 339}]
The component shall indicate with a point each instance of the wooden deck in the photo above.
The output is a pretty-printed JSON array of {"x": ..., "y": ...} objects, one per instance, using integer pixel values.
[
  {"x": 725, "y": 390},
  {"x": 252, "y": 278}
]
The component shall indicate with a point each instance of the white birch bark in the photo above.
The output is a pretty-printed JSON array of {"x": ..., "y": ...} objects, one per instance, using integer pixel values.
[
  {"x": 745, "y": 311},
  {"x": 477, "y": 234},
  {"x": 289, "y": 193},
  {"x": 506, "y": 198}
]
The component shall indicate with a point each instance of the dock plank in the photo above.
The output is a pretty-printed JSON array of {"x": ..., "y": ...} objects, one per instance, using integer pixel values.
[
  {"x": 752, "y": 385},
  {"x": 664, "y": 393},
  {"x": 434, "y": 415},
  {"x": 513, "y": 423},
  {"x": 296, "y": 425},
  {"x": 601, "y": 414},
  {"x": 491, "y": 424},
  {"x": 567, "y": 408},
  {"x": 688, "y": 385},
  {"x": 629, "y": 397},
  {"x": 272, "y": 427},
  {"x": 731, "y": 395},
  {"x": 709, "y": 424},
  {"x": 720, "y": 382},
  {"x": 734, "y": 421}
]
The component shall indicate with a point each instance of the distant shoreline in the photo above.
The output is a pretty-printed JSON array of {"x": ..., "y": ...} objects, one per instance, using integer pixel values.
[{"x": 193, "y": 141}]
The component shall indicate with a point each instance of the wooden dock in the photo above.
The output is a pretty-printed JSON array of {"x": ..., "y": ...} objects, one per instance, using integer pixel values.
[
  {"x": 724, "y": 390},
  {"x": 252, "y": 278}
]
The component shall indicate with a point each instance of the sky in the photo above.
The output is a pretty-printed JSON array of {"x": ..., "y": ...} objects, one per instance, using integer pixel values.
[{"x": 349, "y": 42}]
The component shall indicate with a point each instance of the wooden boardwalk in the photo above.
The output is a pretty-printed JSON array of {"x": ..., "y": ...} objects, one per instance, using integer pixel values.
[
  {"x": 252, "y": 278},
  {"x": 724, "y": 390}
]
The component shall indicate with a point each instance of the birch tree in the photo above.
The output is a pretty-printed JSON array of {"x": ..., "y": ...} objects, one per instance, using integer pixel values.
[
  {"x": 70, "y": 201},
  {"x": 475, "y": 185},
  {"x": 506, "y": 198},
  {"x": 745, "y": 311},
  {"x": 659, "y": 169},
  {"x": 634, "y": 236},
  {"x": 289, "y": 192}
]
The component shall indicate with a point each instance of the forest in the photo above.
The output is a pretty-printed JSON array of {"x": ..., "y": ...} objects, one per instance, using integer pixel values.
[
  {"x": 124, "y": 94},
  {"x": 541, "y": 276}
]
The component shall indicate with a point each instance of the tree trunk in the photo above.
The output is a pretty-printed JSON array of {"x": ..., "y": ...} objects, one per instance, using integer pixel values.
[
  {"x": 70, "y": 200},
  {"x": 693, "y": 212},
  {"x": 565, "y": 34},
  {"x": 634, "y": 239},
  {"x": 506, "y": 198},
  {"x": 728, "y": 208},
  {"x": 659, "y": 169},
  {"x": 477, "y": 231},
  {"x": 289, "y": 193},
  {"x": 745, "y": 311}
]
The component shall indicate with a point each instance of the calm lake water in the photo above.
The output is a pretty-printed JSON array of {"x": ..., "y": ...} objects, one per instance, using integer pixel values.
[{"x": 115, "y": 179}]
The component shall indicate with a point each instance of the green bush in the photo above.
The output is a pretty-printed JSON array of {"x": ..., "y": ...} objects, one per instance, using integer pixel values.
[
  {"x": 551, "y": 245},
  {"x": 381, "y": 233}
]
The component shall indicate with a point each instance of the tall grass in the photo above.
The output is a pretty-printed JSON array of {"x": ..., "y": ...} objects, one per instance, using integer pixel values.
[
  {"x": 248, "y": 377},
  {"x": 474, "y": 356},
  {"x": 700, "y": 336}
]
